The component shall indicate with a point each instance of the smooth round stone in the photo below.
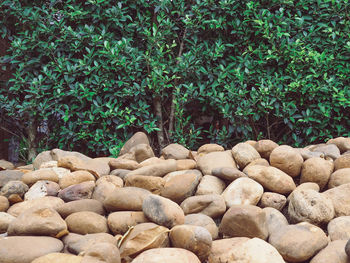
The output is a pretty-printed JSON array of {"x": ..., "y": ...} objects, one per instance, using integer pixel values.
[
  {"x": 175, "y": 151},
  {"x": 14, "y": 188},
  {"x": 342, "y": 143},
  {"x": 119, "y": 222},
  {"x": 77, "y": 192},
  {"x": 39, "y": 175},
  {"x": 334, "y": 253},
  {"x": 126, "y": 199},
  {"x": 244, "y": 153},
  {"x": 163, "y": 211},
  {"x": 207, "y": 162},
  {"x": 86, "y": 222},
  {"x": 137, "y": 138},
  {"x": 121, "y": 173},
  {"x": 298, "y": 243},
  {"x": 180, "y": 186},
  {"x": 41, "y": 189},
  {"x": 141, "y": 152},
  {"x": 154, "y": 184},
  {"x": 78, "y": 245},
  {"x": 339, "y": 177},
  {"x": 310, "y": 206},
  {"x": 328, "y": 150},
  {"x": 10, "y": 175},
  {"x": 339, "y": 228},
  {"x": 58, "y": 258},
  {"x": 287, "y": 159},
  {"x": 42, "y": 202},
  {"x": 193, "y": 238},
  {"x": 5, "y": 220},
  {"x": 41, "y": 158},
  {"x": 186, "y": 164},
  {"x": 6, "y": 165},
  {"x": 38, "y": 221},
  {"x": 158, "y": 169},
  {"x": 103, "y": 190},
  {"x": 243, "y": 191},
  {"x": 228, "y": 173},
  {"x": 123, "y": 163},
  {"x": 265, "y": 147},
  {"x": 25, "y": 249},
  {"x": 117, "y": 181},
  {"x": 244, "y": 221},
  {"x": 168, "y": 255},
  {"x": 274, "y": 200},
  {"x": 105, "y": 252},
  {"x": 210, "y": 147},
  {"x": 271, "y": 178},
  {"x": 340, "y": 198},
  {"x": 316, "y": 170},
  {"x": 274, "y": 219},
  {"x": 4, "y": 204},
  {"x": 305, "y": 186},
  {"x": 80, "y": 206},
  {"x": 203, "y": 221},
  {"x": 222, "y": 249},
  {"x": 76, "y": 177},
  {"x": 342, "y": 162},
  {"x": 210, "y": 205},
  {"x": 210, "y": 184}
]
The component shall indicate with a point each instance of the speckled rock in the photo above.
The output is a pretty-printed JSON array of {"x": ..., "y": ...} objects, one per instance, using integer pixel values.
[
  {"x": 210, "y": 184},
  {"x": 77, "y": 191},
  {"x": 203, "y": 221},
  {"x": 76, "y": 177},
  {"x": 168, "y": 255},
  {"x": 244, "y": 153},
  {"x": 211, "y": 205},
  {"x": 340, "y": 198},
  {"x": 154, "y": 184},
  {"x": 228, "y": 173},
  {"x": 41, "y": 189},
  {"x": 317, "y": 170},
  {"x": 270, "y": 199},
  {"x": 14, "y": 188},
  {"x": 83, "y": 243},
  {"x": 339, "y": 228}
]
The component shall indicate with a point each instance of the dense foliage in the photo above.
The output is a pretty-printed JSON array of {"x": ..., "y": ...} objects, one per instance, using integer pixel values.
[{"x": 93, "y": 72}]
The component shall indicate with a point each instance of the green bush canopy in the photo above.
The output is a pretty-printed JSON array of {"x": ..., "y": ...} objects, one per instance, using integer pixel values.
[{"x": 88, "y": 74}]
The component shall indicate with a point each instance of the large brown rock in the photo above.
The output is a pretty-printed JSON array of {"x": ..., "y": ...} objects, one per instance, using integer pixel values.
[
  {"x": 271, "y": 178},
  {"x": 287, "y": 159},
  {"x": 38, "y": 221},
  {"x": 168, "y": 255},
  {"x": 328, "y": 150},
  {"x": 123, "y": 163},
  {"x": 274, "y": 200},
  {"x": 210, "y": 184},
  {"x": 228, "y": 173},
  {"x": 56, "y": 154},
  {"x": 340, "y": 198},
  {"x": 42, "y": 157},
  {"x": 243, "y": 191},
  {"x": 27, "y": 248},
  {"x": 175, "y": 151},
  {"x": 80, "y": 244},
  {"x": 244, "y": 153},
  {"x": 154, "y": 184},
  {"x": 76, "y": 177},
  {"x": 103, "y": 190},
  {"x": 185, "y": 164},
  {"x": 101, "y": 252},
  {"x": 265, "y": 147},
  {"x": 317, "y": 170},
  {"x": 158, "y": 169},
  {"x": 86, "y": 222},
  {"x": 339, "y": 177},
  {"x": 126, "y": 199},
  {"x": 117, "y": 181},
  {"x": 180, "y": 185},
  {"x": 244, "y": 221},
  {"x": 43, "y": 202},
  {"x": 297, "y": 243},
  {"x": 222, "y": 249},
  {"x": 48, "y": 174},
  {"x": 342, "y": 143},
  {"x": 211, "y": 205},
  {"x": 41, "y": 189},
  {"x": 253, "y": 250},
  {"x": 10, "y": 175},
  {"x": 339, "y": 228},
  {"x": 90, "y": 205},
  {"x": 207, "y": 162},
  {"x": 58, "y": 258},
  {"x": 163, "y": 211},
  {"x": 137, "y": 138},
  {"x": 4, "y": 204},
  {"x": 143, "y": 237},
  {"x": 342, "y": 162},
  {"x": 334, "y": 253},
  {"x": 14, "y": 188},
  {"x": 119, "y": 222},
  {"x": 211, "y": 147},
  {"x": 6, "y": 165},
  {"x": 5, "y": 220},
  {"x": 310, "y": 206},
  {"x": 77, "y": 191},
  {"x": 203, "y": 221},
  {"x": 141, "y": 152},
  {"x": 196, "y": 239}
]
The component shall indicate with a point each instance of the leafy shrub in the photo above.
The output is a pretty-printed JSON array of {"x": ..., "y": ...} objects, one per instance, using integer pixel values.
[{"x": 96, "y": 71}]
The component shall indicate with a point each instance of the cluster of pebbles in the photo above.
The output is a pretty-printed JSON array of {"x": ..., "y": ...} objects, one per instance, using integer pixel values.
[{"x": 258, "y": 202}]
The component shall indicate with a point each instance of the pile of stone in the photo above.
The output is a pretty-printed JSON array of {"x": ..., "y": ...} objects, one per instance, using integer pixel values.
[{"x": 259, "y": 202}]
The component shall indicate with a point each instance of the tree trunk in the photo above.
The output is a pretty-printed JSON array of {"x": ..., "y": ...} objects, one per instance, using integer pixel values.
[
  {"x": 160, "y": 133},
  {"x": 32, "y": 132}
]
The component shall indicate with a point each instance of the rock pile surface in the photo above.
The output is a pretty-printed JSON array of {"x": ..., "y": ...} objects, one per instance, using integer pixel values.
[{"x": 258, "y": 202}]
